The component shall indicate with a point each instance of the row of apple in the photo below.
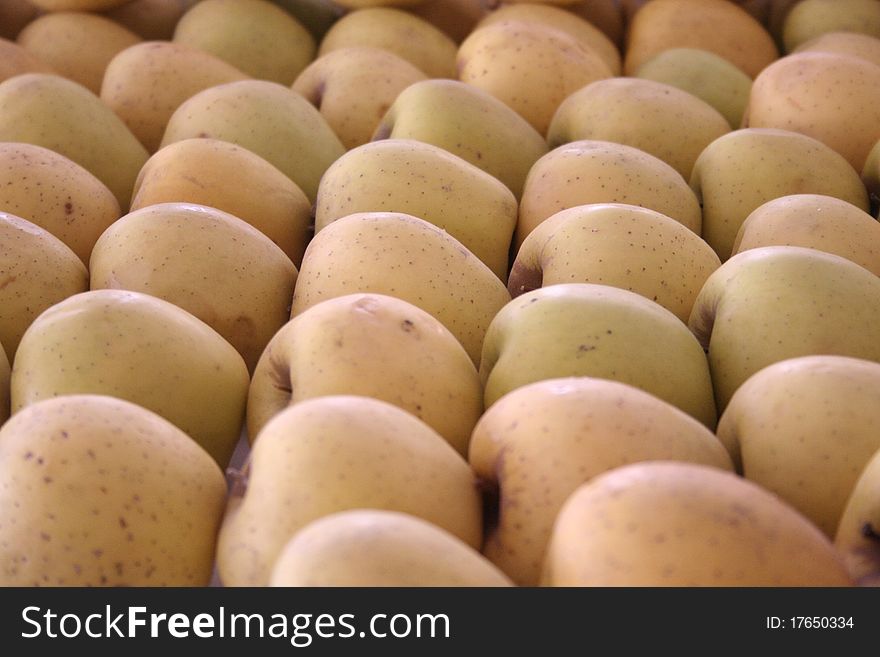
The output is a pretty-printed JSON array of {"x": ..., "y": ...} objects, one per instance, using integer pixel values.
[
  {"x": 232, "y": 277},
  {"x": 850, "y": 290},
  {"x": 102, "y": 491}
]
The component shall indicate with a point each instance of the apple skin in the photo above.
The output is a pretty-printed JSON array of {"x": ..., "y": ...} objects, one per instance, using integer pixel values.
[
  {"x": 63, "y": 116},
  {"x": 354, "y": 87},
  {"x": 844, "y": 43},
  {"x": 375, "y": 346},
  {"x": 704, "y": 74},
  {"x": 801, "y": 92},
  {"x": 405, "y": 175},
  {"x": 145, "y": 83},
  {"x": 467, "y": 122},
  {"x": 745, "y": 168},
  {"x": 56, "y": 194},
  {"x": 367, "y": 547},
  {"x": 657, "y": 118},
  {"x": 567, "y": 20},
  {"x": 130, "y": 345},
  {"x": 4, "y": 386},
  {"x": 616, "y": 244},
  {"x": 663, "y": 523},
  {"x": 809, "y": 19},
  {"x": 255, "y": 36},
  {"x": 531, "y": 67},
  {"x": 590, "y": 171},
  {"x": 295, "y": 475},
  {"x": 107, "y": 494},
  {"x": 185, "y": 253},
  {"x": 859, "y": 528},
  {"x": 16, "y": 60},
  {"x": 77, "y": 45},
  {"x": 38, "y": 270},
  {"x": 267, "y": 118},
  {"x": 803, "y": 421},
  {"x": 403, "y": 33},
  {"x": 538, "y": 443},
  {"x": 715, "y": 25},
  {"x": 225, "y": 176},
  {"x": 778, "y": 302},
  {"x": 815, "y": 221},
  {"x": 582, "y": 329},
  {"x": 373, "y": 252}
]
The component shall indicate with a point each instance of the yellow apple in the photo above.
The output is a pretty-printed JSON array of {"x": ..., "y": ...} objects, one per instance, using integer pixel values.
[
  {"x": 858, "y": 534},
  {"x": 63, "y": 116},
  {"x": 715, "y": 25},
  {"x": 832, "y": 97},
  {"x": 107, "y": 494},
  {"x": 704, "y": 74},
  {"x": 466, "y": 122},
  {"x": 4, "y": 386},
  {"x": 815, "y": 221},
  {"x": 57, "y": 195},
  {"x": 583, "y": 329},
  {"x": 354, "y": 87},
  {"x": 863, "y": 46},
  {"x": 37, "y": 270},
  {"x": 267, "y": 118},
  {"x": 405, "y": 257},
  {"x": 77, "y": 45},
  {"x": 145, "y": 83},
  {"x": 16, "y": 60},
  {"x": 777, "y": 302},
  {"x": 375, "y": 346},
  {"x": 621, "y": 245},
  {"x": 142, "y": 349},
  {"x": 529, "y": 66},
  {"x": 582, "y": 30},
  {"x": 210, "y": 263},
  {"x": 333, "y": 454},
  {"x": 804, "y": 429},
  {"x": 745, "y": 168},
  {"x": 812, "y": 18},
  {"x": 228, "y": 177},
  {"x": 405, "y": 34},
  {"x": 255, "y": 36},
  {"x": 404, "y": 175},
  {"x": 588, "y": 171},
  {"x": 682, "y": 524},
  {"x": 537, "y": 444},
  {"x": 368, "y": 547},
  {"x": 657, "y": 118}
]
